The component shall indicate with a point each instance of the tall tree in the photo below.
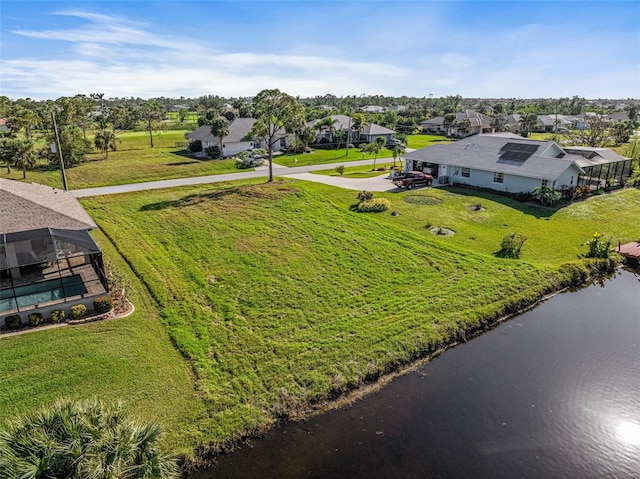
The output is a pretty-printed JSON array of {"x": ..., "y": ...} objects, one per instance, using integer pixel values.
[
  {"x": 151, "y": 113},
  {"x": 276, "y": 113},
  {"x": 83, "y": 439},
  {"x": 220, "y": 129},
  {"x": 330, "y": 124},
  {"x": 105, "y": 140}
]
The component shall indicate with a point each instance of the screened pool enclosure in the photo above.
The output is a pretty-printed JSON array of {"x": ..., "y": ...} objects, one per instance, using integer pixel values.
[{"x": 49, "y": 268}]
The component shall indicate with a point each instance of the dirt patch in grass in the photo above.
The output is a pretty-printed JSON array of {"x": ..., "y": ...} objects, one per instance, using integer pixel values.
[{"x": 422, "y": 200}]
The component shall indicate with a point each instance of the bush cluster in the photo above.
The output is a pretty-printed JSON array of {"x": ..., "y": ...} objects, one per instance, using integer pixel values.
[
  {"x": 374, "y": 205},
  {"x": 35, "y": 319},
  {"x": 57, "y": 316},
  {"x": 103, "y": 305},
  {"x": 13, "y": 321},
  {"x": 195, "y": 146},
  {"x": 78, "y": 311}
]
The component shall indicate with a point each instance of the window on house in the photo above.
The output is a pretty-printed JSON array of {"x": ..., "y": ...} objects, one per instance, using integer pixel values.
[
  {"x": 498, "y": 177},
  {"x": 466, "y": 172},
  {"x": 545, "y": 183}
]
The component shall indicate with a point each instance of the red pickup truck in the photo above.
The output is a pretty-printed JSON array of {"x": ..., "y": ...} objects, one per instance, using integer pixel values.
[{"x": 413, "y": 178}]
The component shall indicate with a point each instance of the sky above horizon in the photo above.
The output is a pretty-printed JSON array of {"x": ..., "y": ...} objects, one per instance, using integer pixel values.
[{"x": 147, "y": 49}]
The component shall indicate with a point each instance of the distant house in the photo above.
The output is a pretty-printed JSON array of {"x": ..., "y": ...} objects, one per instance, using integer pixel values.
[
  {"x": 48, "y": 259},
  {"x": 341, "y": 123},
  {"x": 510, "y": 163},
  {"x": 373, "y": 109},
  {"x": 4, "y": 126},
  {"x": 237, "y": 140},
  {"x": 372, "y": 131},
  {"x": 345, "y": 123},
  {"x": 468, "y": 122}
]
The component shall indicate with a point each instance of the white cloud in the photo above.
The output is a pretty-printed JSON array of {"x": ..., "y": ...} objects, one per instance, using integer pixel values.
[{"x": 126, "y": 58}]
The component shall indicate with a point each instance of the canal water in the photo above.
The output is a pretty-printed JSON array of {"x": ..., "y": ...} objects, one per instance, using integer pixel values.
[{"x": 553, "y": 393}]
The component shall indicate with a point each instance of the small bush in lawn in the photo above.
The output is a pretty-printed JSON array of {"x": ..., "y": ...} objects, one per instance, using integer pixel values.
[
  {"x": 35, "y": 319},
  {"x": 13, "y": 321},
  {"x": 364, "y": 196},
  {"x": 103, "y": 305},
  {"x": 574, "y": 274},
  {"x": 340, "y": 169},
  {"x": 373, "y": 206},
  {"x": 57, "y": 316},
  {"x": 512, "y": 245},
  {"x": 78, "y": 311}
]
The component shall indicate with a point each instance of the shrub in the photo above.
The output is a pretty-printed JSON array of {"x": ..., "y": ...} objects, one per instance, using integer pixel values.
[
  {"x": 35, "y": 319},
  {"x": 213, "y": 151},
  {"x": 78, "y": 311},
  {"x": 373, "y": 206},
  {"x": 103, "y": 304},
  {"x": 365, "y": 196},
  {"x": 13, "y": 321},
  {"x": 574, "y": 274},
  {"x": 598, "y": 247},
  {"x": 57, "y": 316},
  {"x": 195, "y": 146},
  {"x": 340, "y": 169},
  {"x": 511, "y": 245}
]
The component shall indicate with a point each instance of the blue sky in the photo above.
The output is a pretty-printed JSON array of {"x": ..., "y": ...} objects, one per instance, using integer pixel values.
[{"x": 521, "y": 49}]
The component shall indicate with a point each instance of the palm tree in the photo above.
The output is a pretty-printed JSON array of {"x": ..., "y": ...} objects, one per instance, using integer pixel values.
[
  {"x": 328, "y": 123},
  {"x": 376, "y": 147},
  {"x": 105, "y": 140},
  {"x": 396, "y": 151},
  {"x": 528, "y": 121},
  {"x": 24, "y": 156},
  {"x": 83, "y": 439},
  {"x": 359, "y": 123},
  {"x": 220, "y": 129},
  {"x": 151, "y": 112}
]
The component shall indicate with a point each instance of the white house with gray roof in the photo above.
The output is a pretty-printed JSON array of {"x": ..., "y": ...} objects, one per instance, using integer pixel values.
[
  {"x": 500, "y": 162},
  {"x": 237, "y": 140},
  {"x": 510, "y": 163},
  {"x": 345, "y": 123}
]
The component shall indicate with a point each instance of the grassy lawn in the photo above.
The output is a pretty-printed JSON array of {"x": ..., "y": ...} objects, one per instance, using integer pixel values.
[
  {"x": 131, "y": 359},
  {"x": 134, "y": 161},
  {"x": 279, "y": 296},
  {"x": 318, "y": 157},
  {"x": 422, "y": 140},
  {"x": 357, "y": 171}
]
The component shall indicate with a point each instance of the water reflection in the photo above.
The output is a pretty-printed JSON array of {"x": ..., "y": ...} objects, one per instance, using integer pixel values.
[
  {"x": 552, "y": 393},
  {"x": 628, "y": 432}
]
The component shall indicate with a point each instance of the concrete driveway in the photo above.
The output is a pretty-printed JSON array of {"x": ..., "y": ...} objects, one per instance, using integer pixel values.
[
  {"x": 376, "y": 183},
  {"x": 379, "y": 183}
]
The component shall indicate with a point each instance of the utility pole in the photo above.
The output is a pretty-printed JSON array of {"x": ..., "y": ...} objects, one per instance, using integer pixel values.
[{"x": 55, "y": 128}]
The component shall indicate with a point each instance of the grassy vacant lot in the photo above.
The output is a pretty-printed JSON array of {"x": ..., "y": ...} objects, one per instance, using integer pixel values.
[
  {"x": 134, "y": 161},
  {"x": 318, "y": 157},
  {"x": 279, "y": 296},
  {"x": 422, "y": 140}
]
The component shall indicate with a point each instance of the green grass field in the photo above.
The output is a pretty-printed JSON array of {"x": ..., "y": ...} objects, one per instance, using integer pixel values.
[
  {"x": 280, "y": 297},
  {"x": 318, "y": 157},
  {"x": 422, "y": 140},
  {"x": 357, "y": 171},
  {"x": 134, "y": 161}
]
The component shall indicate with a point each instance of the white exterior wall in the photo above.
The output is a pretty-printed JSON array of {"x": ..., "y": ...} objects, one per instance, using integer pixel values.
[
  {"x": 233, "y": 148},
  {"x": 511, "y": 183}
]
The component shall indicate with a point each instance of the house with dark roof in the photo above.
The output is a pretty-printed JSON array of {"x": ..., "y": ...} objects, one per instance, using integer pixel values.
[
  {"x": 510, "y": 163},
  {"x": 48, "y": 259},
  {"x": 238, "y": 138}
]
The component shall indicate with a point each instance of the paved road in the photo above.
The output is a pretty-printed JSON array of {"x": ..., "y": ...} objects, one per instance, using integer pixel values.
[{"x": 298, "y": 172}]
